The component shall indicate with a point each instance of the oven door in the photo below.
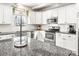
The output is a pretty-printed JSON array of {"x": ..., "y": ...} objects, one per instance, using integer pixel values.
[{"x": 49, "y": 36}]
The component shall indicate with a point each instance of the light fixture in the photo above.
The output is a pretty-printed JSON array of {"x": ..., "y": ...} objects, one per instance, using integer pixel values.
[{"x": 20, "y": 6}]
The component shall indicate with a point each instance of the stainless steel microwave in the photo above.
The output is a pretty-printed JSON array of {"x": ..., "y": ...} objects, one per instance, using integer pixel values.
[{"x": 52, "y": 20}]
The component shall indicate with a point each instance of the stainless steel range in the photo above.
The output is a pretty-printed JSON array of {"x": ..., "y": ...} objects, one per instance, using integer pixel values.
[{"x": 50, "y": 33}]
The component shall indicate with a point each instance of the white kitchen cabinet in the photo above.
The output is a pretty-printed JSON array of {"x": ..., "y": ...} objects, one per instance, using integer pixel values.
[
  {"x": 5, "y": 37},
  {"x": 5, "y": 14},
  {"x": 46, "y": 15},
  {"x": 41, "y": 17},
  {"x": 67, "y": 41},
  {"x": 38, "y": 17},
  {"x": 1, "y": 14},
  {"x": 61, "y": 15},
  {"x": 67, "y": 14},
  {"x": 59, "y": 41},
  {"x": 71, "y": 14},
  {"x": 70, "y": 42},
  {"x": 49, "y": 14},
  {"x": 39, "y": 35},
  {"x": 54, "y": 12},
  {"x": 32, "y": 17}
]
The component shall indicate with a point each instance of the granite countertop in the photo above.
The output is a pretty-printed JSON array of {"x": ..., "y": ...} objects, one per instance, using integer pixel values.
[
  {"x": 66, "y": 33},
  {"x": 54, "y": 50},
  {"x": 34, "y": 48},
  {"x": 6, "y": 33}
]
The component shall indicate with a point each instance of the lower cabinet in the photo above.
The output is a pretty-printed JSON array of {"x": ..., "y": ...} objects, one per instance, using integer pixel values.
[
  {"x": 39, "y": 35},
  {"x": 68, "y": 41},
  {"x": 59, "y": 40},
  {"x": 4, "y": 37}
]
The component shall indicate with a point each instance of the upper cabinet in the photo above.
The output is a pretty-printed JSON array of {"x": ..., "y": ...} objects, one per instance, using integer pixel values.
[
  {"x": 38, "y": 17},
  {"x": 61, "y": 15},
  {"x": 1, "y": 14},
  {"x": 5, "y": 14},
  {"x": 67, "y": 14},
  {"x": 54, "y": 13},
  {"x": 46, "y": 15},
  {"x": 32, "y": 17},
  {"x": 71, "y": 14},
  {"x": 49, "y": 14}
]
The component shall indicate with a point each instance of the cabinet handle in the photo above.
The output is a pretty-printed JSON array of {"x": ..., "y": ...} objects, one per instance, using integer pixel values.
[
  {"x": 69, "y": 36},
  {"x": 63, "y": 38},
  {"x": 59, "y": 34}
]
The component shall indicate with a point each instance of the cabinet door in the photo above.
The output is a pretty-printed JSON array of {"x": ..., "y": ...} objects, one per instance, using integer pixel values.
[
  {"x": 44, "y": 18},
  {"x": 38, "y": 17},
  {"x": 49, "y": 14},
  {"x": 1, "y": 14},
  {"x": 32, "y": 17},
  {"x": 59, "y": 41},
  {"x": 54, "y": 12},
  {"x": 7, "y": 14},
  {"x": 66, "y": 41},
  {"x": 39, "y": 35},
  {"x": 61, "y": 15},
  {"x": 71, "y": 14},
  {"x": 70, "y": 42}
]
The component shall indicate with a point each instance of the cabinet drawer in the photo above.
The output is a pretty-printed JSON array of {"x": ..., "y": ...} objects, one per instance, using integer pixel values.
[
  {"x": 59, "y": 41},
  {"x": 58, "y": 34},
  {"x": 67, "y": 41},
  {"x": 69, "y": 44},
  {"x": 71, "y": 37},
  {"x": 3, "y": 37}
]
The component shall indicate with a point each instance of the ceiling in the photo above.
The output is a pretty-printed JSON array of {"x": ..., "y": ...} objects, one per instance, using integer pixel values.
[
  {"x": 38, "y": 6},
  {"x": 31, "y": 4}
]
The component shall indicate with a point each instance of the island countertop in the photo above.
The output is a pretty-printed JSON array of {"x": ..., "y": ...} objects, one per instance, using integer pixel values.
[
  {"x": 34, "y": 48},
  {"x": 13, "y": 32}
]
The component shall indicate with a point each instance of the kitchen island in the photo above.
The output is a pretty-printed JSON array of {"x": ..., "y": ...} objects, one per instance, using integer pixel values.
[{"x": 34, "y": 48}]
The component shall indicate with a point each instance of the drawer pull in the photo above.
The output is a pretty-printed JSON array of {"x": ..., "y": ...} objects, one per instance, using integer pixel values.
[
  {"x": 69, "y": 36},
  {"x": 63, "y": 38}
]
